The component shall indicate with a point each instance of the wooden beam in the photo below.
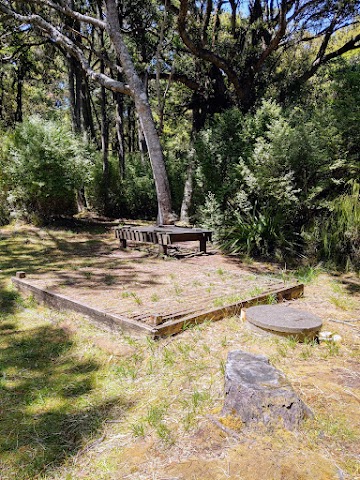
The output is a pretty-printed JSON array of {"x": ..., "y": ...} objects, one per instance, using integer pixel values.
[
  {"x": 60, "y": 302},
  {"x": 176, "y": 326}
]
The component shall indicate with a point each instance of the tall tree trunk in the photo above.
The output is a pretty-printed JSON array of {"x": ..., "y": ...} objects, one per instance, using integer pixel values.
[
  {"x": 131, "y": 128},
  {"x": 104, "y": 136},
  {"x": 141, "y": 142},
  {"x": 188, "y": 187},
  {"x": 105, "y": 148},
  {"x": 145, "y": 115},
  {"x": 87, "y": 113},
  {"x": 74, "y": 80},
  {"x": 1, "y": 95},
  {"x": 119, "y": 124},
  {"x": 19, "y": 93}
]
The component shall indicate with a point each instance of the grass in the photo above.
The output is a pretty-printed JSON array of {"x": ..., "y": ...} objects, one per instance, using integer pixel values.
[
  {"x": 138, "y": 409},
  {"x": 307, "y": 274},
  {"x": 48, "y": 390}
]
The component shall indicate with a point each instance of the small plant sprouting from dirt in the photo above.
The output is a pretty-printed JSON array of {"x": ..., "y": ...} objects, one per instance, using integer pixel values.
[
  {"x": 254, "y": 292},
  {"x": 136, "y": 298},
  {"x": 307, "y": 274},
  {"x": 138, "y": 429},
  {"x": 282, "y": 349},
  {"x": 292, "y": 341},
  {"x": 342, "y": 302},
  {"x": 332, "y": 349},
  {"x": 109, "y": 279},
  {"x": 219, "y": 302},
  {"x": 154, "y": 297},
  {"x": 307, "y": 349},
  {"x": 177, "y": 289},
  {"x": 271, "y": 299},
  {"x": 222, "y": 366},
  {"x": 168, "y": 357}
]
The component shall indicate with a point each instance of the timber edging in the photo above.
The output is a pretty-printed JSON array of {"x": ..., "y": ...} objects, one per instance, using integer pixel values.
[
  {"x": 176, "y": 326},
  {"x": 61, "y": 302},
  {"x": 170, "y": 327}
]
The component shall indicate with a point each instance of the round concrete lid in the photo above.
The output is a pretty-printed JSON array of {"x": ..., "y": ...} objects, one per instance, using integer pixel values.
[{"x": 283, "y": 319}]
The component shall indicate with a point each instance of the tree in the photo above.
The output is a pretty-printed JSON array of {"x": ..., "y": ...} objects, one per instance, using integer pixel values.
[
  {"x": 244, "y": 41},
  {"x": 48, "y": 18}
]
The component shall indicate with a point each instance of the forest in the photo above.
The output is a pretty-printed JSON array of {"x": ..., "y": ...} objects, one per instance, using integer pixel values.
[{"x": 240, "y": 116}]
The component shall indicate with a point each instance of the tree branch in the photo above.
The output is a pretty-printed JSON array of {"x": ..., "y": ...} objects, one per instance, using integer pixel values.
[
  {"x": 178, "y": 78},
  {"x": 57, "y": 37},
  {"x": 63, "y": 8},
  {"x": 274, "y": 43},
  {"x": 352, "y": 44},
  {"x": 205, "y": 54}
]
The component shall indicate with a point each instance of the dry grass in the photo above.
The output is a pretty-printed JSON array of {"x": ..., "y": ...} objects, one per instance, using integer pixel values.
[{"x": 78, "y": 402}]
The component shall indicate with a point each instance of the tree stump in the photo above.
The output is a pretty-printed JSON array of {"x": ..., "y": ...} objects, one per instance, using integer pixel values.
[{"x": 258, "y": 393}]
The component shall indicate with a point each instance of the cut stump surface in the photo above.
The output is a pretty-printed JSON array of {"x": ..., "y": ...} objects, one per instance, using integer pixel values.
[{"x": 283, "y": 320}]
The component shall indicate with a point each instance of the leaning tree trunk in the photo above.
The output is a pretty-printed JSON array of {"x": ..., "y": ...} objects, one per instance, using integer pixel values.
[{"x": 145, "y": 116}]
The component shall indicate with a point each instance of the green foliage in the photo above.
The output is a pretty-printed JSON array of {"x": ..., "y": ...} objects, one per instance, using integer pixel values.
[
  {"x": 132, "y": 197},
  {"x": 341, "y": 233},
  {"x": 42, "y": 165},
  {"x": 278, "y": 182},
  {"x": 255, "y": 177}
]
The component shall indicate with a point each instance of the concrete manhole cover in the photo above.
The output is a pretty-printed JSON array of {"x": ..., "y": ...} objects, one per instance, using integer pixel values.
[{"x": 283, "y": 320}]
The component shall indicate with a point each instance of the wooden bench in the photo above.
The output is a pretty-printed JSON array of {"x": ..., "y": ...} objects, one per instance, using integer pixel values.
[{"x": 163, "y": 236}]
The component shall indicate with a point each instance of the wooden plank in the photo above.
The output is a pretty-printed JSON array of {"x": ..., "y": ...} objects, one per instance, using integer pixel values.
[
  {"x": 101, "y": 317},
  {"x": 176, "y": 326},
  {"x": 163, "y": 235}
]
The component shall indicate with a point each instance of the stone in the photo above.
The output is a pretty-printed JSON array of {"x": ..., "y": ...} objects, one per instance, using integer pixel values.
[
  {"x": 20, "y": 274},
  {"x": 284, "y": 321},
  {"x": 258, "y": 393},
  {"x": 336, "y": 338},
  {"x": 325, "y": 336}
]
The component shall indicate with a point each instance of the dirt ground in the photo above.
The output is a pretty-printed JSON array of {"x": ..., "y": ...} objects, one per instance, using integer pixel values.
[{"x": 138, "y": 284}]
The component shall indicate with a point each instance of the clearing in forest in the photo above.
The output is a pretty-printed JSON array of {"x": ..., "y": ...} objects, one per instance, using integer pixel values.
[
  {"x": 81, "y": 402},
  {"x": 137, "y": 284}
]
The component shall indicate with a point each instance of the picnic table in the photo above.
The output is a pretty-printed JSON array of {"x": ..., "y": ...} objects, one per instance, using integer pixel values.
[{"x": 163, "y": 235}]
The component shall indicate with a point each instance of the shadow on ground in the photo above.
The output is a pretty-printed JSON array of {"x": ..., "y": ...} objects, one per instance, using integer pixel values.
[
  {"x": 49, "y": 407},
  {"x": 33, "y": 250}
]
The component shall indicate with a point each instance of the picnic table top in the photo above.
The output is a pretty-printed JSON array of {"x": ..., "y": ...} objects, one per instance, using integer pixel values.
[{"x": 169, "y": 229}]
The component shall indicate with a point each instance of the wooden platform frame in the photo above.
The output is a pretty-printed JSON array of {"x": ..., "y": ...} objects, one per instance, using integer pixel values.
[
  {"x": 172, "y": 325},
  {"x": 163, "y": 236}
]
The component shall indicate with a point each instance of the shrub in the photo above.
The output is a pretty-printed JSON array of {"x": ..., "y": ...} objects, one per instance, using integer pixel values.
[
  {"x": 132, "y": 197},
  {"x": 43, "y": 165},
  {"x": 258, "y": 197},
  {"x": 341, "y": 233},
  {"x": 278, "y": 181}
]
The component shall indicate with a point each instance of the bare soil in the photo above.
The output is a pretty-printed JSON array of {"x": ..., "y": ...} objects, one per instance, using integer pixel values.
[{"x": 138, "y": 284}]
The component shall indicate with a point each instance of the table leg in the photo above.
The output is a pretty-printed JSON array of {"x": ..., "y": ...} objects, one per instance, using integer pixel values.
[
  {"x": 163, "y": 249},
  {"x": 203, "y": 244},
  {"x": 122, "y": 243}
]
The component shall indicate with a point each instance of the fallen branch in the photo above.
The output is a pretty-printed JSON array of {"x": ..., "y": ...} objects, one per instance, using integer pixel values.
[
  {"x": 346, "y": 323},
  {"x": 222, "y": 427}
]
